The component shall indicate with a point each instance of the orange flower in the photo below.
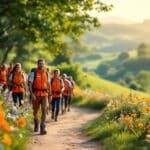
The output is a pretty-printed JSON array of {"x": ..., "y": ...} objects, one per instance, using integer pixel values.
[
  {"x": 16, "y": 123},
  {"x": 2, "y": 115},
  {"x": 134, "y": 115},
  {"x": 1, "y": 102},
  {"x": 22, "y": 122},
  {"x": 5, "y": 126},
  {"x": 148, "y": 109},
  {"x": 127, "y": 119},
  {"x": 131, "y": 126},
  {"x": 148, "y": 131},
  {"x": 6, "y": 139},
  {"x": 148, "y": 126},
  {"x": 140, "y": 125}
]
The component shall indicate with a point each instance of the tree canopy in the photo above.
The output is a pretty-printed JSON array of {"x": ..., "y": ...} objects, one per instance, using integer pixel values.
[{"x": 45, "y": 21}]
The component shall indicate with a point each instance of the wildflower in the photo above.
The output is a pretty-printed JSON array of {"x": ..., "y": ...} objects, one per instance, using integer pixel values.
[
  {"x": 2, "y": 115},
  {"x": 5, "y": 126},
  {"x": 16, "y": 122},
  {"x": 131, "y": 126},
  {"x": 134, "y": 115},
  {"x": 140, "y": 125},
  {"x": 1, "y": 102},
  {"x": 6, "y": 139},
  {"x": 22, "y": 122},
  {"x": 148, "y": 131},
  {"x": 148, "y": 126},
  {"x": 148, "y": 109},
  {"x": 127, "y": 119}
]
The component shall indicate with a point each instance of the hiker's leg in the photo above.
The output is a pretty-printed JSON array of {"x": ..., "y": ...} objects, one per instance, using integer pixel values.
[
  {"x": 44, "y": 103},
  {"x": 57, "y": 108},
  {"x": 20, "y": 95},
  {"x": 53, "y": 107},
  {"x": 14, "y": 96},
  {"x": 66, "y": 102},
  {"x": 69, "y": 102},
  {"x": 62, "y": 104},
  {"x": 36, "y": 105}
]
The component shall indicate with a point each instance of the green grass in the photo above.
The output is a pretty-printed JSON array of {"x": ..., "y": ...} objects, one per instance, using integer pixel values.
[
  {"x": 92, "y": 102},
  {"x": 105, "y": 86},
  {"x": 112, "y": 135}
]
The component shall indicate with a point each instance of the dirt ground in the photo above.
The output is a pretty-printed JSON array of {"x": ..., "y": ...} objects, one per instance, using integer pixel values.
[{"x": 66, "y": 134}]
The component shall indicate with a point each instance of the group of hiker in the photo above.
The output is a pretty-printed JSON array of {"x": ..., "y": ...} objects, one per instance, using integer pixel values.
[{"x": 48, "y": 90}]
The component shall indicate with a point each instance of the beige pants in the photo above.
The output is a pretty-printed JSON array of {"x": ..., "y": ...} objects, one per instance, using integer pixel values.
[{"x": 43, "y": 101}]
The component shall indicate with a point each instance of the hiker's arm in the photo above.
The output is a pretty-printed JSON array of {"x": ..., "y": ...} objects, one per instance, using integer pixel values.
[
  {"x": 10, "y": 78},
  {"x": 62, "y": 86},
  {"x": 31, "y": 79}
]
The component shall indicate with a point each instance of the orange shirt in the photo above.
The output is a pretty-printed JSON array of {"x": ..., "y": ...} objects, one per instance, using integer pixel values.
[
  {"x": 68, "y": 86},
  {"x": 40, "y": 83},
  {"x": 18, "y": 81},
  {"x": 3, "y": 76},
  {"x": 56, "y": 87}
]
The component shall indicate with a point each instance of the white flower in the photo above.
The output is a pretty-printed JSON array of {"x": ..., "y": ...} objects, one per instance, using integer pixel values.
[{"x": 20, "y": 135}]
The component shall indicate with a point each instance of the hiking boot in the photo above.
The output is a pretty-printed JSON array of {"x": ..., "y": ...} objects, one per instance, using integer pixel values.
[
  {"x": 52, "y": 116},
  {"x": 62, "y": 112},
  {"x": 42, "y": 130},
  {"x": 56, "y": 116},
  {"x": 36, "y": 125},
  {"x": 56, "y": 119}
]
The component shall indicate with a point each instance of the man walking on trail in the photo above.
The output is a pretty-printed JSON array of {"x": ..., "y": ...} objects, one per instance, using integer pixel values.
[
  {"x": 57, "y": 89},
  {"x": 67, "y": 92},
  {"x": 17, "y": 84},
  {"x": 40, "y": 89}
]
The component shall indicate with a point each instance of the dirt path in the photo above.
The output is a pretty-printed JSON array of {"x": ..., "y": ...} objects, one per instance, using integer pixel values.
[{"x": 66, "y": 133}]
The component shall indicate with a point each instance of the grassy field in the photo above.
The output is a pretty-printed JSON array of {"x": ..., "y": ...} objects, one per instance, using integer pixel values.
[
  {"x": 108, "y": 87},
  {"x": 124, "y": 122}
]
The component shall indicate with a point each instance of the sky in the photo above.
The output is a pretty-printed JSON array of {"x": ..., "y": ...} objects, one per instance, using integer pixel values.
[{"x": 131, "y": 10}]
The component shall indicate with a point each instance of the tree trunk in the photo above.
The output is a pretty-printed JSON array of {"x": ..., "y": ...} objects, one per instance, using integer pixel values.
[{"x": 6, "y": 52}]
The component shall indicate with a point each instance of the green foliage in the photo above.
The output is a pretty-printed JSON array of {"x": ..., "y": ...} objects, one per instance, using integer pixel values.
[
  {"x": 128, "y": 72},
  {"x": 90, "y": 101},
  {"x": 112, "y": 127},
  {"x": 45, "y": 21},
  {"x": 64, "y": 56},
  {"x": 73, "y": 70},
  {"x": 123, "y": 56},
  {"x": 19, "y": 121},
  {"x": 143, "y": 50}
]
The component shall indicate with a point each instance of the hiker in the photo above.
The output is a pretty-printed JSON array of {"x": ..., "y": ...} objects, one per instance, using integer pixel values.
[
  {"x": 3, "y": 77},
  {"x": 9, "y": 93},
  {"x": 57, "y": 89},
  {"x": 66, "y": 93},
  {"x": 72, "y": 88},
  {"x": 10, "y": 69},
  {"x": 40, "y": 88},
  {"x": 49, "y": 96},
  {"x": 17, "y": 84}
]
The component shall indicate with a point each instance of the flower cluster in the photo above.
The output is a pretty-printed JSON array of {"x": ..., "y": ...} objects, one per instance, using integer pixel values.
[
  {"x": 132, "y": 113},
  {"x": 9, "y": 124}
]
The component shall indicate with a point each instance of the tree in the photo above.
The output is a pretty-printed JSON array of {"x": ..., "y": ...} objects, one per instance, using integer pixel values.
[
  {"x": 123, "y": 56},
  {"x": 143, "y": 50},
  {"x": 143, "y": 78},
  {"x": 47, "y": 21}
]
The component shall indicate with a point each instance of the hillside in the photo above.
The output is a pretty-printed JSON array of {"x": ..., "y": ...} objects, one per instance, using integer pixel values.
[
  {"x": 117, "y": 37},
  {"x": 108, "y": 87}
]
